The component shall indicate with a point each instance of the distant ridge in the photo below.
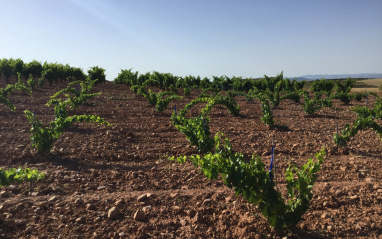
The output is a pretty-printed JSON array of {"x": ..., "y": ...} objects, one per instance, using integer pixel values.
[{"x": 339, "y": 76}]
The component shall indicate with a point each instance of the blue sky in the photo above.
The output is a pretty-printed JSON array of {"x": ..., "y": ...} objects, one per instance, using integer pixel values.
[{"x": 198, "y": 37}]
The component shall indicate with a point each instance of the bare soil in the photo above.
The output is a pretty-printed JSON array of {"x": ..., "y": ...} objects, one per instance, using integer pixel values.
[{"x": 93, "y": 170}]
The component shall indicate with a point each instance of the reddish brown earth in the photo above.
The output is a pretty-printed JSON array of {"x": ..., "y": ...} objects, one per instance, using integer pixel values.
[{"x": 94, "y": 168}]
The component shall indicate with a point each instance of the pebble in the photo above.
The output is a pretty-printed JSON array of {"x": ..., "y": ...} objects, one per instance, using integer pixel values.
[
  {"x": 163, "y": 210},
  {"x": 373, "y": 226},
  {"x": 112, "y": 132},
  {"x": 113, "y": 212},
  {"x": 183, "y": 222},
  {"x": 90, "y": 206},
  {"x": 142, "y": 197},
  {"x": 146, "y": 209},
  {"x": 324, "y": 216},
  {"x": 198, "y": 217},
  {"x": 338, "y": 193},
  {"x": 52, "y": 199},
  {"x": 119, "y": 203},
  {"x": 207, "y": 202},
  {"x": 149, "y": 195},
  {"x": 95, "y": 235},
  {"x": 358, "y": 227},
  {"x": 42, "y": 204},
  {"x": 4, "y": 194},
  {"x": 21, "y": 222},
  {"x": 376, "y": 186},
  {"x": 176, "y": 208},
  {"x": 80, "y": 220},
  {"x": 34, "y": 194},
  {"x": 361, "y": 175},
  {"x": 326, "y": 185},
  {"x": 303, "y": 226},
  {"x": 79, "y": 201},
  {"x": 173, "y": 195},
  {"x": 139, "y": 216},
  {"x": 29, "y": 230}
]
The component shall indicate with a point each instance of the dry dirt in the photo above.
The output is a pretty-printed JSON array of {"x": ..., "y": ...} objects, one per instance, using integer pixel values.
[
  {"x": 368, "y": 85},
  {"x": 116, "y": 182}
]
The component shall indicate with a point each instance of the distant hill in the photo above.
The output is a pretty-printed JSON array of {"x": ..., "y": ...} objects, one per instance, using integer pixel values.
[{"x": 342, "y": 76}]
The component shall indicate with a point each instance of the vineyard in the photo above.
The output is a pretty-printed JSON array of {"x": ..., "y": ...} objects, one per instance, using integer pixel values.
[{"x": 159, "y": 156}]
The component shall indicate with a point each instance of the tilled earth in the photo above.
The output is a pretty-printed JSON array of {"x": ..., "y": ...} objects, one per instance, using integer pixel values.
[{"x": 117, "y": 181}]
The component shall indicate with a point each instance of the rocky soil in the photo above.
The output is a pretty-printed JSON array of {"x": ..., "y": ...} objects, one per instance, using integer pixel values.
[{"x": 117, "y": 181}]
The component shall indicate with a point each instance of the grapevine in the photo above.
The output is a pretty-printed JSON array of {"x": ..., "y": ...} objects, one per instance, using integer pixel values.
[
  {"x": 253, "y": 182},
  {"x": 19, "y": 175},
  {"x": 157, "y": 100},
  {"x": 43, "y": 138},
  {"x": 5, "y": 92},
  {"x": 365, "y": 120}
]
